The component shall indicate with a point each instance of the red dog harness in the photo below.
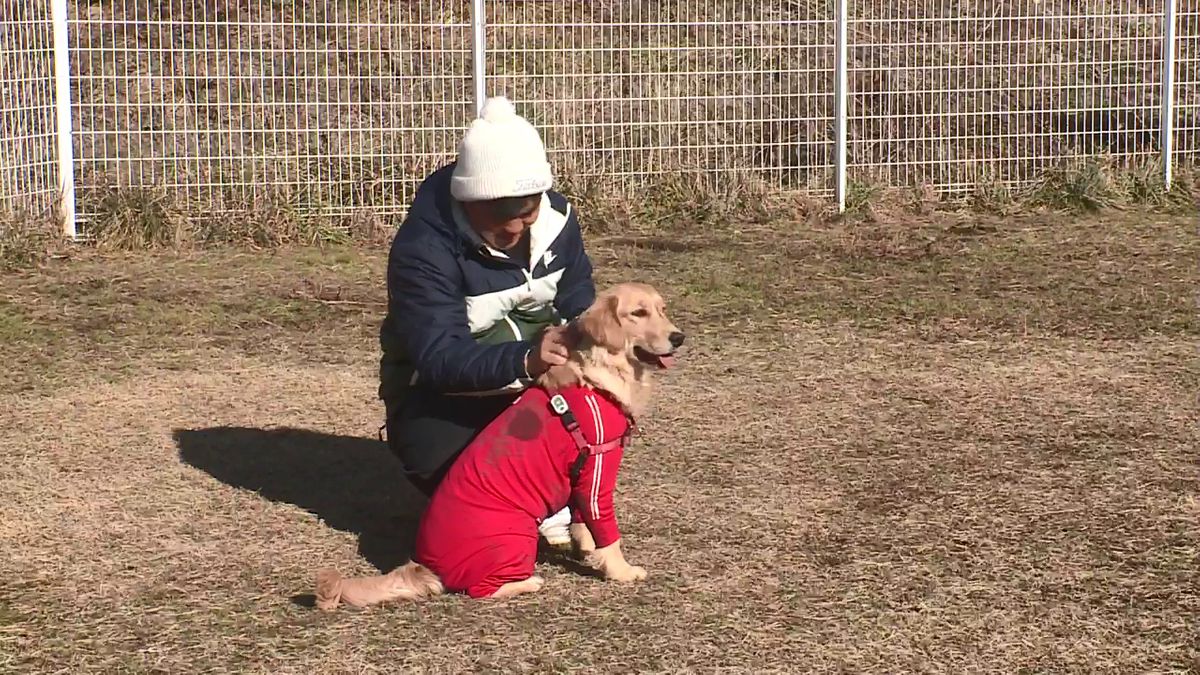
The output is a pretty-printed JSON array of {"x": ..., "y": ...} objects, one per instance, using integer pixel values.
[{"x": 559, "y": 405}]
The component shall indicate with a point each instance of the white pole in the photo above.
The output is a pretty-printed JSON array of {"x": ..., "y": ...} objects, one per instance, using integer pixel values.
[
  {"x": 1167, "y": 125},
  {"x": 841, "y": 89},
  {"x": 62, "y": 107},
  {"x": 478, "y": 62}
]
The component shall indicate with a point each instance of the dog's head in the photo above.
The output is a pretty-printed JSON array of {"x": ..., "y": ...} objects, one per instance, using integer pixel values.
[{"x": 632, "y": 319}]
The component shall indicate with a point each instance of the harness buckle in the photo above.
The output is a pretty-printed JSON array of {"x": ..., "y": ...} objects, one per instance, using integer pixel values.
[{"x": 559, "y": 405}]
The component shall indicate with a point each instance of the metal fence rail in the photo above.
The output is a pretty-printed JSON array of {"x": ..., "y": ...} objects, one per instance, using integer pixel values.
[{"x": 337, "y": 108}]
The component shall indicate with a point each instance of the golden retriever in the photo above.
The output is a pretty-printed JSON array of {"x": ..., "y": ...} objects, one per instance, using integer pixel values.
[{"x": 621, "y": 340}]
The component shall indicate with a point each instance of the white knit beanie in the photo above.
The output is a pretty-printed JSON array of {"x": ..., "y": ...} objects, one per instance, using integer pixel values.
[{"x": 501, "y": 155}]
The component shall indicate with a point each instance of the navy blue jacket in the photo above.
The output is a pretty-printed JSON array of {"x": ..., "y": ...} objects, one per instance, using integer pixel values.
[{"x": 460, "y": 314}]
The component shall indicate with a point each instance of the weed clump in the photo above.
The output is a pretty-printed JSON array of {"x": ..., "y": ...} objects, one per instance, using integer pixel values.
[{"x": 25, "y": 239}]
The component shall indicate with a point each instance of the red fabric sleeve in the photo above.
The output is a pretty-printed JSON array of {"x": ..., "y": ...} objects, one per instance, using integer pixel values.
[{"x": 592, "y": 496}]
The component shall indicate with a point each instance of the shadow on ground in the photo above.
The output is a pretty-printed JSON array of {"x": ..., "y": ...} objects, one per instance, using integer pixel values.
[{"x": 353, "y": 484}]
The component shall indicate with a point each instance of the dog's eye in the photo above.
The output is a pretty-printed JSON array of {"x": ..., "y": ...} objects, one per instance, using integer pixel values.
[{"x": 640, "y": 313}]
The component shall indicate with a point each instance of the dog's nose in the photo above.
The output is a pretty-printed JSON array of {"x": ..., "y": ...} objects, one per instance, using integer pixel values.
[{"x": 676, "y": 339}]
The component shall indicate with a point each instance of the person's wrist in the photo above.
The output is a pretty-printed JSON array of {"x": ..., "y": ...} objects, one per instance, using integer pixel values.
[{"x": 525, "y": 362}]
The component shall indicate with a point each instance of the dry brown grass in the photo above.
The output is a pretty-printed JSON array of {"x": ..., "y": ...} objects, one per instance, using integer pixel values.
[
  {"x": 26, "y": 239},
  {"x": 954, "y": 445}
]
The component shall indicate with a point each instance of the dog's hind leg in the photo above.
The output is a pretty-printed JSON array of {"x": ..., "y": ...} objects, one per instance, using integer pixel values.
[
  {"x": 407, "y": 582},
  {"x": 531, "y": 585}
]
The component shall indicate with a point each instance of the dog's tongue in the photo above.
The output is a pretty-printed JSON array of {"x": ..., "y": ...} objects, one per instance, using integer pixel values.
[{"x": 666, "y": 360}]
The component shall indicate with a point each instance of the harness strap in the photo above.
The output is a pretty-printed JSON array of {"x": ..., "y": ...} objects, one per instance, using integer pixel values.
[{"x": 559, "y": 405}]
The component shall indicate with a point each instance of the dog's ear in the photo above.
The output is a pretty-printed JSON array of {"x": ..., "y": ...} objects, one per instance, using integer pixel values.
[{"x": 601, "y": 323}]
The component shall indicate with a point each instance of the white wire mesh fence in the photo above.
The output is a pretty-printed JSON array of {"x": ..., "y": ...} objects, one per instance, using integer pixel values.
[
  {"x": 1187, "y": 83},
  {"x": 627, "y": 90},
  {"x": 27, "y": 131},
  {"x": 333, "y": 106},
  {"x": 340, "y": 107},
  {"x": 957, "y": 93}
]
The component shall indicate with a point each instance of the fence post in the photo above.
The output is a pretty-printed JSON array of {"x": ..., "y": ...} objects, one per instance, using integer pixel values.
[
  {"x": 1167, "y": 124},
  {"x": 841, "y": 93},
  {"x": 478, "y": 53},
  {"x": 62, "y": 110}
]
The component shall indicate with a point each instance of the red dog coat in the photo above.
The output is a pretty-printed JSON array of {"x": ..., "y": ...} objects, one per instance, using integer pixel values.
[{"x": 479, "y": 531}]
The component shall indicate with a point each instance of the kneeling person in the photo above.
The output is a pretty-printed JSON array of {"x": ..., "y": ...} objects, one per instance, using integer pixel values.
[{"x": 487, "y": 266}]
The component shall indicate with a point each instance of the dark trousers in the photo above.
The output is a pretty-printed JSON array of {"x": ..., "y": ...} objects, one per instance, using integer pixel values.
[{"x": 430, "y": 430}]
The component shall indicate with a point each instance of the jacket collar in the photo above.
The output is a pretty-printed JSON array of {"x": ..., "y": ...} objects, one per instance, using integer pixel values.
[{"x": 542, "y": 233}]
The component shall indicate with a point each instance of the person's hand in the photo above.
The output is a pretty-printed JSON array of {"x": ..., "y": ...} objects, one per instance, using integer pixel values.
[{"x": 550, "y": 348}]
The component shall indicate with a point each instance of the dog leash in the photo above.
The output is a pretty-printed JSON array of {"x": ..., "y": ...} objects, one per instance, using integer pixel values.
[{"x": 559, "y": 405}]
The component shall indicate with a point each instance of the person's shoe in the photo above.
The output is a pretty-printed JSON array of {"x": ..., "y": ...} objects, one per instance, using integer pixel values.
[{"x": 556, "y": 529}]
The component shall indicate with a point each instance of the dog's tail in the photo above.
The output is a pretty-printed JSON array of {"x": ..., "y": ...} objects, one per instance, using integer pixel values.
[{"x": 410, "y": 581}]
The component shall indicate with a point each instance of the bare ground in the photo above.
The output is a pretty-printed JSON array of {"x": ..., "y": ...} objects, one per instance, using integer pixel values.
[{"x": 962, "y": 445}]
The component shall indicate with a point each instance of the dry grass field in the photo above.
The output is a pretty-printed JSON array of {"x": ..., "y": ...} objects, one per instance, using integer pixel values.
[
  {"x": 953, "y": 444},
  {"x": 904, "y": 441}
]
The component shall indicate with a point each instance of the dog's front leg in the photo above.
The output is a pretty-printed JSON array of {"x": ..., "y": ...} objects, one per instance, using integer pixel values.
[
  {"x": 581, "y": 537},
  {"x": 611, "y": 562},
  {"x": 594, "y": 519}
]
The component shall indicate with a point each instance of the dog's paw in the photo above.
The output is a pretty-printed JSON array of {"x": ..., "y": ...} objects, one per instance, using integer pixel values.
[{"x": 626, "y": 574}]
